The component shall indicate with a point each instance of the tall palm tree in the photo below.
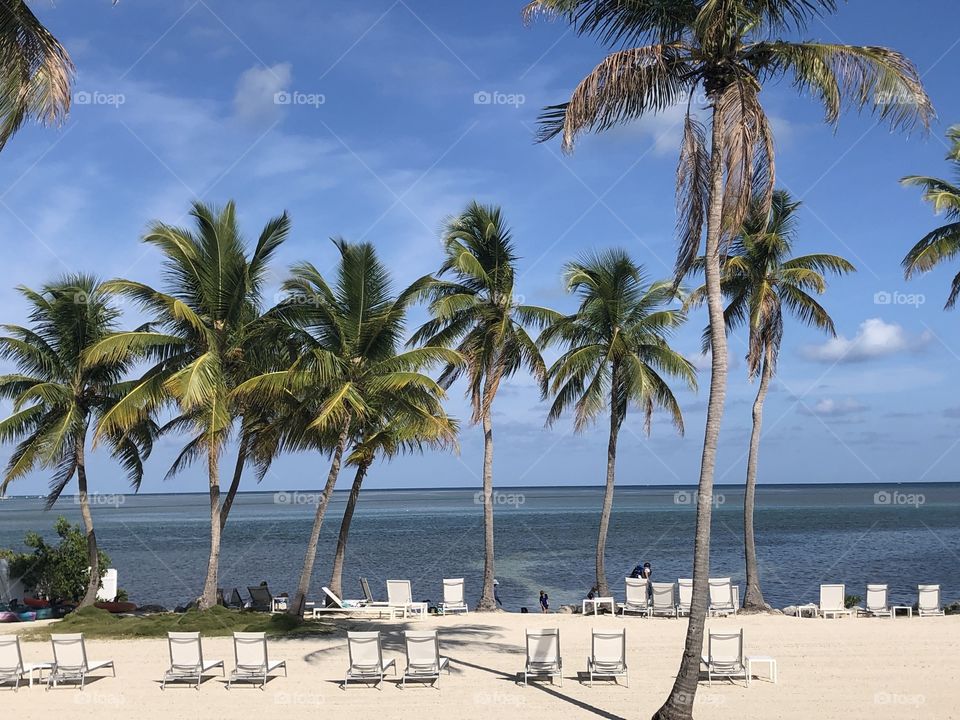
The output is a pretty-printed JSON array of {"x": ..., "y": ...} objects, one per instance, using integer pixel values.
[
  {"x": 943, "y": 243},
  {"x": 616, "y": 356},
  {"x": 663, "y": 51},
  {"x": 761, "y": 283},
  {"x": 478, "y": 313},
  {"x": 347, "y": 365},
  {"x": 409, "y": 426},
  {"x": 36, "y": 72},
  {"x": 57, "y": 395},
  {"x": 199, "y": 337}
]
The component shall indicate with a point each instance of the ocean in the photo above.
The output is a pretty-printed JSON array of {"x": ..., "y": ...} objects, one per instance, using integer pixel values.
[{"x": 902, "y": 535}]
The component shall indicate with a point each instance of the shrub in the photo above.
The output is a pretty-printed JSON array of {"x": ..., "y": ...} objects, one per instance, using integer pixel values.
[{"x": 851, "y": 601}]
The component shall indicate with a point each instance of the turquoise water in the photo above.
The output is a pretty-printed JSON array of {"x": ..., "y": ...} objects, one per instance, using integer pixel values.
[{"x": 806, "y": 534}]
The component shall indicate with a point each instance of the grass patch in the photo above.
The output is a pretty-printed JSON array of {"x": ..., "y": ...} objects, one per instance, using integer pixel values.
[{"x": 215, "y": 622}]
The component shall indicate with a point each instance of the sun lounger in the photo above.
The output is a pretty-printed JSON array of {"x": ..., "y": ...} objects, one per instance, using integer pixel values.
[
  {"x": 335, "y": 605},
  {"x": 608, "y": 655},
  {"x": 253, "y": 664},
  {"x": 366, "y": 659},
  {"x": 12, "y": 668},
  {"x": 876, "y": 603},
  {"x": 70, "y": 661},
  {"x": 685, "y": 593},
  {"x": 186, "y": 659},
  {"x": 260, "y": 598},
  {"x": 663, "y": 602},
  {"x": 724, "y": 657},
  {"x": 833, "y": 600},
  {"x": 400, "y": 596},
  {"x": 721, "y": 597},
  {"x": 453, "y": 596},
  {"x": 928, "y": 600},
  {"x": 423, "y": 657},
  {"x": 543, "y": 655},
  {"x": 636, "y": 602}
]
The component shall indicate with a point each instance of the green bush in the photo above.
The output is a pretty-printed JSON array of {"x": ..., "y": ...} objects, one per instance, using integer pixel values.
[
  {"x": 851, "y": 601},
  {"x": 58, "y": 572}
]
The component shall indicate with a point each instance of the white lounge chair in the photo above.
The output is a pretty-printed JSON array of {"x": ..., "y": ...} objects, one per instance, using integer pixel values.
[
  {"x": 685, "y": 593},
  {"x": 833, "y": 601},
  {"x": 186, "y": 659},
  {"x": 928, "y": 600},
  {"x": 663, "y": 600},
  {"x": 423, "y": 658},
  {"x": 636, "y": 601},
  {"x": 608, "y": 655},
  {"x": 724, "y": 657},
  {"x": 12, "y": 668},
  {"x": 366, "y": 659},
  {"x": 876, "y": 603},
  {"x": 453, "y": 600},
  {"x": 70, "y": 661},
  {"x": 400, "y": 596},
  {"x": 721, "y": 597},
  {"x": 543, "y": 655},
  {"x": 335, "y": 605},
  {"x": 253, "y": 663}
]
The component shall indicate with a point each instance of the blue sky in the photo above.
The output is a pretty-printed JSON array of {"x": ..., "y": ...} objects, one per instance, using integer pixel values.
[{"x": 395, "y": 113}]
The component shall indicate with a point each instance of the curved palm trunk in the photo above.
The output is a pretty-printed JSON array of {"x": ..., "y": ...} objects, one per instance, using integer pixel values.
[
  {"x": 487, "y": 598},
  {"x": 336, "y": 575},
  {"x": 306, "y": 575},
  {"x": 608, "y": 491},
  {"x": 209, "y": 597},
  {"x": 679, "y": 704},
  {"x": 235, "y": 483},
  {"x": 753, "y": 597},
  {"x": 93, "y": 552}
]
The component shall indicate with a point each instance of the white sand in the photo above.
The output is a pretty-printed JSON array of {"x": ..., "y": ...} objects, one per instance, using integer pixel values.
[{"x": 829, "y": 669}]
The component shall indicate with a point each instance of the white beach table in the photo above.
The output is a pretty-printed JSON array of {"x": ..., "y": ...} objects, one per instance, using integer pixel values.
[
  {"x": 39, "y": 667},
  {"x": 908, "y": 608},
  {"x": 770, "y": 662},
  {"x": 597, "y": 603}
]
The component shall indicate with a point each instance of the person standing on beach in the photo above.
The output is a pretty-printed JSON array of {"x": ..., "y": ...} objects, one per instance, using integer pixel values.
[
  {"x": 496, "y": 594},
  {"x": 544, "y": 602}
]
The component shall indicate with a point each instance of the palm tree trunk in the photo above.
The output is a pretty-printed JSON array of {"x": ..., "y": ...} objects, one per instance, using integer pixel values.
[
  {"x": 487, "y": 598},
  {"x": 235, "y": 483},
  {"x": 93, "y": 552},
  {"x": 306, "y": 575},
  {"x": 336, "y": 575},
  {"x": 608, "y": 491},
  {"x": 209, "y": 597},
  {"x": 679, "y": 704},
  {"x": 753, "y": 597}
]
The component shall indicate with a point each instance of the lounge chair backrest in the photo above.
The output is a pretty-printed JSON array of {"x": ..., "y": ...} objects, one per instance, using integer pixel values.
[
  {"x": 453, "y": 591},
  {"x": 260, "y": 595},
  {"x": 543, "y": 646},
  {"x": 636, "y": 591},
  {"x": 365, "y": 586},
  {"x": 236, "y": 599},
  {"x": 725, "y": 648},
  {"x": 365, "y": 651},
  {"x": 721, "y": 593},
  {"x": 928, "y": 597},
  {"x": 685, "y": 591},
  {"x": 185, "y": 650},
  {"x": 423, "y": 650},
  {"x": 11, "y": 660},
  {"x": 399, "y": 592},
  {"x": 332, "y": 600},
  {"x": 609, "y": 647},
  {"x": 662, "y": 595},
  {"x": 833, "y": 597},
  {"x": 69, "y": 652},
  {"x": 877, "y": 597},
  {"x": 250, "y": 650}
]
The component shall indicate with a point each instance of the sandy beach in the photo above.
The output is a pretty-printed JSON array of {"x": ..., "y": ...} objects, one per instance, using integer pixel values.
[{"x": 845, "y": 668}]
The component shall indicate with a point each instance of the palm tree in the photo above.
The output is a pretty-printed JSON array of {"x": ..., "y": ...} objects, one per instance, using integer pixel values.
[
  {"x": 616, "y": 355},
  {"x": 36, "y": 72},
  {"x": 944, "y": 242},
  {"x": 479, "y": 314},
  {"x": 761, "y": 281},
  {"x": 347, "y": 365},
  {"x": 663, "y": 51},
  {"x": 199, "y": 337},
  {"x": 405, "y": 427},
  {"x": 57, "y": 395}
]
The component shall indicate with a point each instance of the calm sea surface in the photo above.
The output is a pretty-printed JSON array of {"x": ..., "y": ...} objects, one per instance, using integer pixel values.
[{"x": 806, "y": 534}]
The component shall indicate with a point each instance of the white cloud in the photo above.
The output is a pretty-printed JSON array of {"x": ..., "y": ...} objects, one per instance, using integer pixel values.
[
  {"x": 874, "y": 339},
  {"x": 828, "y": 407},
  {"x": 254, "y": 100}
]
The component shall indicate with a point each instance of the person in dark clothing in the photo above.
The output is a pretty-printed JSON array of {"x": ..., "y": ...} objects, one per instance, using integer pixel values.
[
  {"x": 642, "y": 571},
  {"x": 544, "y": 602}
]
